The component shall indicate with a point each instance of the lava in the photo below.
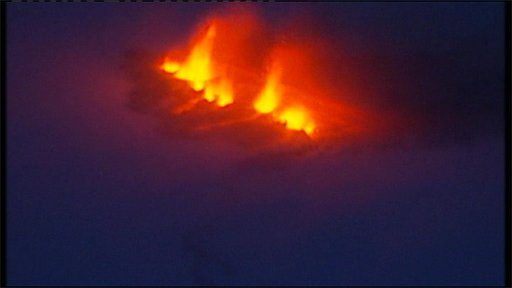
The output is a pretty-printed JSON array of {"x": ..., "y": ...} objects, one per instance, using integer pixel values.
[
  {"x": 297, "y": 118},
  {"x": 199, "y": 72},
  {"x": 280, "y": 85},
  {"x": 197, "y": 69},
  {"x": 269, "y": 98},
  {"x": 220, "y": 91}
]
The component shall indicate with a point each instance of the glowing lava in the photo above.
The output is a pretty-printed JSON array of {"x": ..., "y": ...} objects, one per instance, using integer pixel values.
[
  {"x": 198, "y": 71},
  {"x": 294, "y": 118},
  {"x": 170, "y": 66},
  {"x": 269, "y": 98},
  {"x": 220, "y": 91},
  {"x": 203, "y": 73},
  {"x": 297, "y": 118}
]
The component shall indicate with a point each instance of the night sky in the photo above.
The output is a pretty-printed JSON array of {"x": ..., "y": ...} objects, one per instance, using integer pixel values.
[{"x": 100, "y": 192}]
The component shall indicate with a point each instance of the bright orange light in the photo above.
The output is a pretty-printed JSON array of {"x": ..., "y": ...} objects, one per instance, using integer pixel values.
[
  {"x": 269, "y": 98},
  {"x": 198, "y": 71},
  {"x": 170, "y": 66},
  {"x": 197, "y": 67},
  {"x": 222, "y": 91},
  {"x": 297, "y": 118},
  {"x": 209, "y": 74}
]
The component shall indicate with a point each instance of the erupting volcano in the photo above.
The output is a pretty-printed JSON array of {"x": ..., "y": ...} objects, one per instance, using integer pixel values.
[
  {"x": 230, "y": 73},
  {"x": 204, "y": 74}
]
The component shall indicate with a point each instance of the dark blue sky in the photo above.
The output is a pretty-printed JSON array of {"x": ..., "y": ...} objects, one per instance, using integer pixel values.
[{"x": 98, "y": 195}]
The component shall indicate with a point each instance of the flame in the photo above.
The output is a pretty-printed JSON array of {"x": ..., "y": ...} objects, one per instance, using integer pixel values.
[
  {"x": 297, "y": 118},
  {"x": 170, "y": 66},
  {"x": 222, "y": 91},
  {"x": 203, "y": 72},
  {"x": 269, "y": 98},
  {"x": 197, "y": 68},
  {"x": 198, "y": 71}
]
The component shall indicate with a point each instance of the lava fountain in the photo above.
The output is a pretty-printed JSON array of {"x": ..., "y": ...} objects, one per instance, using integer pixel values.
[{"x": 236, "y": 75}]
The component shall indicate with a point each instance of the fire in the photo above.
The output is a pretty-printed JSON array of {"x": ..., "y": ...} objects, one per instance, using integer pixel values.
[
  {"x": 269, "y": 98},
  {"x": 297, "y": 118},
  {"x": 209, "y": 75},
  {"x": 170, "y": 66},
  {"x": 198, "y": 71},
  {"x": 197, "y": 68},
  {"x": 220, "y": 91},
  {"x": 294, "y": 117}
]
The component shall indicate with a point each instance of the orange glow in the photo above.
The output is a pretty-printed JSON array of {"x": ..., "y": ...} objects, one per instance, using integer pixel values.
[
  {"x": 197, "y": 68},
  {"x": 221, "y": 69},
  {"x": 170, "y": 66},
  {"x": 198, "y": 71},
  {"x": 294, "y": 118},
  {"x": 222, "y": 91},
  {"x": 297, "y": 118},
  {"x": 204, "y": 74},
  {"x": 269, "y": 98}
]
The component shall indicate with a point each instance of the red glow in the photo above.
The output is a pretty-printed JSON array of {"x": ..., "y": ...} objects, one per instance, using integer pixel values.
[{"x": 232, "y": 64}]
